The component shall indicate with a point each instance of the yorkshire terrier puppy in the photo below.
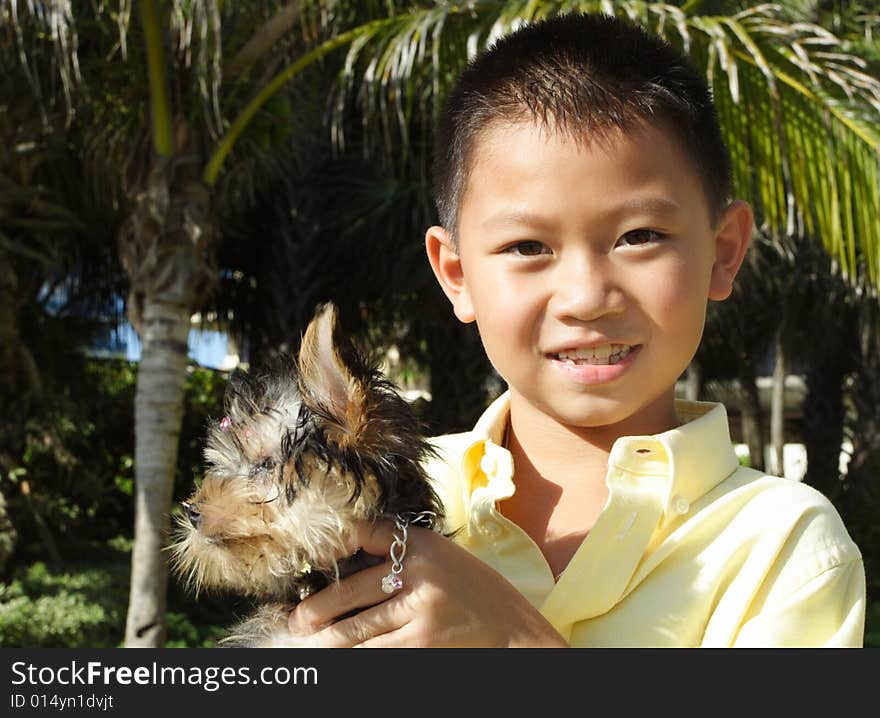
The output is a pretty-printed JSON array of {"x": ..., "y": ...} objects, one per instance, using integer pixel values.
[{"x": 301, "y": 454}]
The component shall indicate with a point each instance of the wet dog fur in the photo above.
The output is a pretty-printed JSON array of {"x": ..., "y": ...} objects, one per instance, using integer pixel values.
[{"x": 303, "y": 451}]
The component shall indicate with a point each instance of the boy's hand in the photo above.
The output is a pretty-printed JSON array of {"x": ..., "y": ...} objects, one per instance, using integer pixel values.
[{"x": 449, "y": 599}]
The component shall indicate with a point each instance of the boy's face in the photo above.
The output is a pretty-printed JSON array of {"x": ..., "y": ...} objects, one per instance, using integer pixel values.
[{"x": 588, "y": 269}]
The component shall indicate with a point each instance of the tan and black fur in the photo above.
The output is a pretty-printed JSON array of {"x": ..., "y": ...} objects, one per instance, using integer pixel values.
[{"x": 303, "y": 451}]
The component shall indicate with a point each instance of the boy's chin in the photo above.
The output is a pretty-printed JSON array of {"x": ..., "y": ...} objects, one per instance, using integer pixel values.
[
  {"x": 578, "y": 413},
  {"x": 610, "y": 415},
  {"x": 595, "y": 418}
]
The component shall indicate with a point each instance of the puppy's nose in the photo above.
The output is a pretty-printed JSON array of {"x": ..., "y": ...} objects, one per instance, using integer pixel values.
[{"x": 192, "y": 511}]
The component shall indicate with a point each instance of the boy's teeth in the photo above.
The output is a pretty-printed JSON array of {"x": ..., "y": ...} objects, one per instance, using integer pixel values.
[{"x": 604, "y": 354}]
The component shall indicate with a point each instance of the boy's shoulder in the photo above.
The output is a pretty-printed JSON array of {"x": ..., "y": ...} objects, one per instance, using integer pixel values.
[
  {"x": 788, "y": 543},
  {"x": 788, "y": 513},
  {"x": 763, "y": 492}
]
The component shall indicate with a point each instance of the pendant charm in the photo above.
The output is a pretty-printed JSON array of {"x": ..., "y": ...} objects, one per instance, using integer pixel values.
[{"x": 391, "y": 583}]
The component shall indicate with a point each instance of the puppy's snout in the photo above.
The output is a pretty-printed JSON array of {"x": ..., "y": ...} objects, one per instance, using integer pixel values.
[{"x": 192, "y": 511}]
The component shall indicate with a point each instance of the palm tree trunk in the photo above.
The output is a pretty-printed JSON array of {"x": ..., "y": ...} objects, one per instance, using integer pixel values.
[
  {"x": 750, "y": 413},
  {"x": 693, "y": 381},
  {"x": 824, "y": 414},
  {"x": 9, "y": 341},
  {"x": 862, "y": 475},
  {"x": 18, "y": 371},
  {"x": 777, "y": 410},
  {"x": 158, "y": 416},
  {"x": 165, "y": 247}
]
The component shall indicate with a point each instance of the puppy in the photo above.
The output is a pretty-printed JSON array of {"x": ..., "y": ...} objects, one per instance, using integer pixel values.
[{"x": 301, "y": 454}]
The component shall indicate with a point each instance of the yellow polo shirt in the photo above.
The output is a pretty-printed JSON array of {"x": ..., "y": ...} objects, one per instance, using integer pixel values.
[{"x": 691, "y": 549}]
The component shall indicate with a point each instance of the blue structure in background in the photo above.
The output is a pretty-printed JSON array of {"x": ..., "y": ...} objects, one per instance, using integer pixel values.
[{"x": 206, "y": 347}]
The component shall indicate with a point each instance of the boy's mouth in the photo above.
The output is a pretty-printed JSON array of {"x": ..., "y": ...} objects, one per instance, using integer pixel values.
[{"x": 603, "y": 354}]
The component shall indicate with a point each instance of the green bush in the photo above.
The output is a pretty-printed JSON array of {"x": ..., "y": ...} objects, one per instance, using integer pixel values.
[
  {"x": 83, "y": 605},
  {"x": 77, "y": 458},
  {"x": 80, "y": 607},
  {"x": 184, "y": 633},
  {"x": 8, "y": 535}
]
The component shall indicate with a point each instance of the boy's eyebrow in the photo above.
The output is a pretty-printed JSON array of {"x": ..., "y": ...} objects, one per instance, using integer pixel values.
[
  {"x": 517, "y": 217},
  {"x": 636, "y": 204},
  {"x": 649, "y": 204}
]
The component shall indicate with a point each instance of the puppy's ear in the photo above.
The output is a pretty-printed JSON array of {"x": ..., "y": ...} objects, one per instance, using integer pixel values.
[{"x": 328, "y": 374}]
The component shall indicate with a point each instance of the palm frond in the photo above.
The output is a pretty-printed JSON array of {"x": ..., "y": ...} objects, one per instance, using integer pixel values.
[
  {"x": 54, "y": 21},
  {"x": 799, "y": 113}
]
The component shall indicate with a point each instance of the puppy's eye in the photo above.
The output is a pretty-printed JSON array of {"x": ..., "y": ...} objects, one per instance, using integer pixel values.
[{"x": 263, "y": 468}]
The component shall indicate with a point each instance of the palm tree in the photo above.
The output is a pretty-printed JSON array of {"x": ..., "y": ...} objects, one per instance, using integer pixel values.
[
  {"x": 158, "y": 102},
  {"x": 800, "y": 115},
  {"x": 54, "y": 262}
]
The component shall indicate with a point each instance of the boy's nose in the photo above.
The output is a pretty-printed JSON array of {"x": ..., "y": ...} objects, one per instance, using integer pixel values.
[{"x": 585, "y": 290}]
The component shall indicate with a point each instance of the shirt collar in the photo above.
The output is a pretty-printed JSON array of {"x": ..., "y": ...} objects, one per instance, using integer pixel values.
[{"x": 695, "y": 456}]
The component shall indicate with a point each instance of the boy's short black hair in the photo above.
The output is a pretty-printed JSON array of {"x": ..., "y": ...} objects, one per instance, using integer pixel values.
[{"x": 583, "y": 75}]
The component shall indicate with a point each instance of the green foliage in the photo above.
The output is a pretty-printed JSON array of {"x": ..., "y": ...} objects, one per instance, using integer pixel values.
[
  {"x": 82, "y": 604},
  {"x": 81, "y": 608},
  {"x": 77, "y": 460},
  {"x": 183, "y": 633},
  {"x": 8, "y": 535},
  {"x": 203, "y": 400},
  {"x": 77, "y": 456}
]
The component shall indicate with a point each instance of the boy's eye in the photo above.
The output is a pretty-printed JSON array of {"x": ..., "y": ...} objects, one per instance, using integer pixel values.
[
  {"x": 528, "y": 248},
  {"x": 640, "y": 236}
]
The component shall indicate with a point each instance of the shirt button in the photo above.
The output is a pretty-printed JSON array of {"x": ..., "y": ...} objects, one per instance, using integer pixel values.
[
  {"x": 488, "y": 465},
  {"x": 680, "y": 504}
]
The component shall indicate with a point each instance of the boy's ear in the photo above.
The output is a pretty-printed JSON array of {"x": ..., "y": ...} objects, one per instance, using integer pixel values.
[
  {"x": 446, "y": 264},
  {"x": 732, "y": 236}
]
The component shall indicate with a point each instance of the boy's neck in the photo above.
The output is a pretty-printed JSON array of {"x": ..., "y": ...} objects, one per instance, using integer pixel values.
[
  {"x": 556, "y": 449},
  {"x": 559, "y": 473}
]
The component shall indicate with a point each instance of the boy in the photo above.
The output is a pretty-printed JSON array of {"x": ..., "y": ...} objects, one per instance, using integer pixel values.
[{"x": 583, "y": 190}]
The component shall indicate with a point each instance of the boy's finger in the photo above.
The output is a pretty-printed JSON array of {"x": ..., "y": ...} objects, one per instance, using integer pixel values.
[
  {"x": 376, "y": 537},
  {"x": 376, "y": 623},
  {"x": 356, "y": 592}
]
